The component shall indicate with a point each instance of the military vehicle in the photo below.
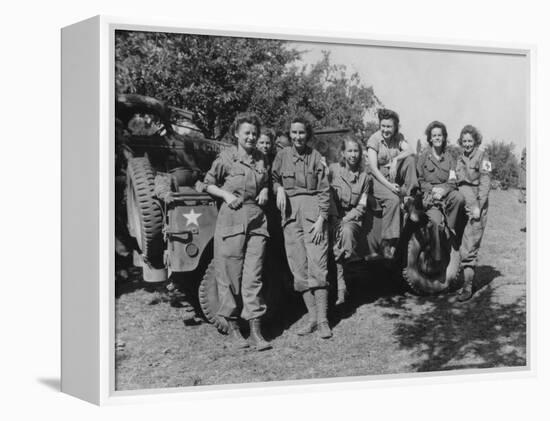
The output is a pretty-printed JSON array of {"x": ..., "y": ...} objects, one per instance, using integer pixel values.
[{"x": 163, "y": 220}]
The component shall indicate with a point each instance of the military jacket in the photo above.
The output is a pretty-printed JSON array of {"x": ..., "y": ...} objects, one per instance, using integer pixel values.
[
  {"x": 475, "y": 171},
  {"x": 433, "y": 172},
  {"x": 348, "y": 189},
  {"x": 302, "y": 174},
  {"x": 239, "y": 173}
]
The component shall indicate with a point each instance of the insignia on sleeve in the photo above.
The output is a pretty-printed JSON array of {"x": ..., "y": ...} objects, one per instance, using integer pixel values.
[{"x": 486, "y": 165}]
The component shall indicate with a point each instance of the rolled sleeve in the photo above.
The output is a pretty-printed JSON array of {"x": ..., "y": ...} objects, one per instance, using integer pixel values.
[
  {"x": 374, "y": 142},
  {"x": 216, "y": 174}
]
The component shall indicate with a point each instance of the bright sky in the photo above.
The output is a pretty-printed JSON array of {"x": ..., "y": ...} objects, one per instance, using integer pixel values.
[{"x": 489, "y": 91}]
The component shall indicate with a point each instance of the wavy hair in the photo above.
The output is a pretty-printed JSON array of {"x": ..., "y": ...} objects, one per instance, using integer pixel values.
[
  {"x": 250, "y": 118},
  {"x": 436, "y": 125},
  {"x": 303, "y": 120},
  {"x": 469, "y": 129},
  {"x": 387, "y": 114}
]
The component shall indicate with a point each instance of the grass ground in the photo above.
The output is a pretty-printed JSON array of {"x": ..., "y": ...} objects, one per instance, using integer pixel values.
[{"x": 384, "y": 330}]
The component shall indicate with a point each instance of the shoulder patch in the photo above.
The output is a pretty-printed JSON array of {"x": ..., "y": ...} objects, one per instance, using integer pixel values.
[
  {"x": 452, "y": 175},
  {"x": 486, "y": 165}
]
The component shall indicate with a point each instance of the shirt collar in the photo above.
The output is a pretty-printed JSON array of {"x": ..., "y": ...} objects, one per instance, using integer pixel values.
[
  {"x": 300, "y": 157},
  {"x": 351, "y": 176},
  {"x": 242, "y": 156},
  {"x": 442, "y": 157},
  {"x": 474, "y": 153}
]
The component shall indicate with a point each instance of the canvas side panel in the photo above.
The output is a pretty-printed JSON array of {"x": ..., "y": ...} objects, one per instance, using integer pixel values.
[{"x": 80, "y": 206}]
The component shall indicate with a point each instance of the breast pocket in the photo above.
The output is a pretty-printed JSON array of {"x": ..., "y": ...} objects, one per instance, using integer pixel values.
[
  {"x": 289, "y": 179},
  {"x": 236, "y": 178}
]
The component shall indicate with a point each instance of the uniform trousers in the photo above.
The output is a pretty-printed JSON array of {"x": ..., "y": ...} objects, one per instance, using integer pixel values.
[
  {"x": 473, "y": 231},
  {"x": 307, "y": 261},
  {"x": 239, "y": 250},
  {"x": 390, "y": 202}
]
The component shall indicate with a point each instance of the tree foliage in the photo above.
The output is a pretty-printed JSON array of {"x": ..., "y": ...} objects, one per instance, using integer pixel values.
[
  {"x": 218, "y": 77},
  {"x": 505, "y": 166}
]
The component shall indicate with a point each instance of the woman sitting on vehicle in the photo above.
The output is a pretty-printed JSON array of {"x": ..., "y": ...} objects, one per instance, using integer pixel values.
[
  {"x": 393, "y": 170},
  {"x": 473, "y": 171},
  {"x": 437, "y": 176},
  {"x": 239, "y": 177},
  {"x": 349, "y": 183},
  {"x": 303, "y": 196}
]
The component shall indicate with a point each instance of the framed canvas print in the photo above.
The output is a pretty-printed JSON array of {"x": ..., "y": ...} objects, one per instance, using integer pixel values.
[{"x": 248, "y": 209}]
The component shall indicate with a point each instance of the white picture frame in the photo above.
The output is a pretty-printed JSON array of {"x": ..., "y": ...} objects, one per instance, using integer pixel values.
[{"x": 88, "y": 338}]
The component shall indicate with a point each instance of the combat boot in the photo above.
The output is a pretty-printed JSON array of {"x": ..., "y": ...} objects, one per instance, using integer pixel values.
[
  {"x": 256, "y": 339},
  {"x": 311, "y": 325},
  {"x": 321, "y": 303},
  {"x": 466, "y": 292},
  {"x": 235, "y": 336}
]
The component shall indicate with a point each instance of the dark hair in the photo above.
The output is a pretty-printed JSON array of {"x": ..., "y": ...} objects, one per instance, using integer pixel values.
[
  {"x": 249, "y": 118},
  {"x": 436, "y": 125},
  {"x": 386, "y": 114},
  {"x": 353, "y": 139},
  {"x": 269, "y": 132},
  {"x": 469, "y": 129},
  {"x": 303, "y": 120}
]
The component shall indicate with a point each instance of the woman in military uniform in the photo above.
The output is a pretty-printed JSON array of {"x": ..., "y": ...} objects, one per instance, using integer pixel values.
[
  {"x": 302, "y": 191},
  {"x": 392, "y": 167},
  {"x": 349, "y": 184},
  {"x": 239, "y": 177},
  {"x": 473, "y": 174},
  {"x": 437, "y": 176}
]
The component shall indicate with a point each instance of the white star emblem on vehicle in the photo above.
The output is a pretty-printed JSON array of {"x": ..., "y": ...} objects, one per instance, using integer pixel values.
[{"x": 192, "y": 217}]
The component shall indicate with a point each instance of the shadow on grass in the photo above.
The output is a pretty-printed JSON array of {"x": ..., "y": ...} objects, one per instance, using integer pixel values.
[
  {"x": 449, "y": 335},
  {"x": 366, "y": 283}
]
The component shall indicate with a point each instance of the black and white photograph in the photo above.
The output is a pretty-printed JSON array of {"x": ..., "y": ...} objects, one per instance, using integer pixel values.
[{"x": 291, "y": 210}]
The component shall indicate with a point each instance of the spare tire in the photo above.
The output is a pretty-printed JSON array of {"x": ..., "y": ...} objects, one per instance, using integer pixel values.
[
  {"x": 209, "y": 299},
  {"x": 144, "y": 212},
  {"x": 441, "y": 277}
]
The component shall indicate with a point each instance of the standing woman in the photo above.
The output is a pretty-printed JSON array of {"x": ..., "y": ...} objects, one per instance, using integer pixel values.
[
  {"x": 239, "y": 177},
  {"x": 393, "y": 170},
  {"x": 266, "y": 144},
  {"x": 349, "y": 184},
  {"x": 275, "y": 267},
  {"x": 303, "y": 196},
  {"x": 437, "y": 176},
  {"x": 473, "y": 173}
]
